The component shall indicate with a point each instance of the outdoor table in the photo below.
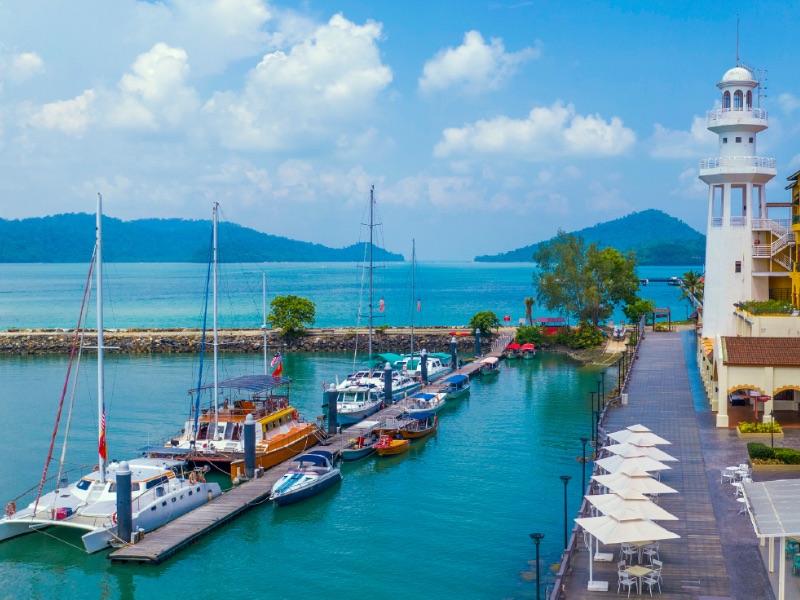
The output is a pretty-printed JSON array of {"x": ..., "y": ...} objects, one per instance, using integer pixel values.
[{"x": 638, "y": 571}]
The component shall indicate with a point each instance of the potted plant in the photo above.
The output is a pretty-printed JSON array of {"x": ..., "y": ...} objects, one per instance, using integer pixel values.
[{"x": 759, "y": 430}]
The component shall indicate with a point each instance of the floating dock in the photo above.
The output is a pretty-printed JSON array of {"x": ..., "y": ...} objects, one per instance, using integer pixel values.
[{"x": 159, "y": 545}]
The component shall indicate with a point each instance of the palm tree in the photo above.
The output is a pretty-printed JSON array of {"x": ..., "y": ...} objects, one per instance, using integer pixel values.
[
  {"x": 529, "y": 302},
  {"x": 693, "y": 286}
]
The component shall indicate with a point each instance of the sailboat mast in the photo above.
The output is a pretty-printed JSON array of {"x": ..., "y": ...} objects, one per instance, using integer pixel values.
[
  {"x": 216, "y": 333},
  {"x": 101, "y": 416},
  {"x": 371, "y": 289},
  {"x": 413, "y": 265},
  {"x": 264, "y": 312}
]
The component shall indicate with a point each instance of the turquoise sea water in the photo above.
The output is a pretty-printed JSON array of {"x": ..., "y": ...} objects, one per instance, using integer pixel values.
[
  {"x": 170, "y": 295},
  {"x": 450, "y": 519}
]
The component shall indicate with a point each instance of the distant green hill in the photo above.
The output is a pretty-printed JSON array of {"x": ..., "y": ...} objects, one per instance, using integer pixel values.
[
  {"x": 70, "y": 238},
  {"x": 655, "y": 237}
]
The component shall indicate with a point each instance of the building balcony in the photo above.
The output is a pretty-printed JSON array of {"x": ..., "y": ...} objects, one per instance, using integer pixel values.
[{"x": 752, "y": 117}]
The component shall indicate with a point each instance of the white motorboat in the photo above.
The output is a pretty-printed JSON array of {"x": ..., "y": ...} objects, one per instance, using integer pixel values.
[
  {"x": 159, "y": 491},
  {"x": 307, "y": 476}
]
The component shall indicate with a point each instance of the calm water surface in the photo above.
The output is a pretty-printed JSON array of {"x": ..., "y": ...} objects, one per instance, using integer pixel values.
[{"x": 450, "y": 519}]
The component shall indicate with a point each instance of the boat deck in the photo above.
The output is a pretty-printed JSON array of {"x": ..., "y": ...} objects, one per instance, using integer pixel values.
[{"x": 173, "y": 537}]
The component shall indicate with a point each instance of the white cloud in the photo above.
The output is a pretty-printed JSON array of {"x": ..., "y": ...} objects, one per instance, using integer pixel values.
[
  {"x": 695, "y": 143},
  {"x": 474, "y": 66},
  {"x": 602, "y": 199},
  {"x": 154, "y": 95},
  {"x": 689, "y": 185},
  {"x": 788, "y": 102},
  {"x": 795, "y": 162},
  {"x": 303, "y": 96},
  {"x": 546, "y": 133},
  {"x": 68, "y": 116},
  {"x": 23, "y": 66}
]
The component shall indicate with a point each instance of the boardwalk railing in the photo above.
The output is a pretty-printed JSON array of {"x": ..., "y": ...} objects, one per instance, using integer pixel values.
[{"x": 572, "y": 545}]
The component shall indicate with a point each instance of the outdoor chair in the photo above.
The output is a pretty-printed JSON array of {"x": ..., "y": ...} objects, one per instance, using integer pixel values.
[
  {"x": 727, "y": 474},
  {"x": 796, "y": 564},
  {"x": 651, "y": 551},
  {"x": 627, "y": 551},
  {"x": 622, "y": 565},
  {"x": 652, "y": 579},
  {"x": 792, "y": 548},
  {"x": 626, "y": 580}
]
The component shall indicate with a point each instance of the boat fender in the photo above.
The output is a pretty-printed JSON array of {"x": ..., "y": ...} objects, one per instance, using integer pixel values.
[
  {"x": 11, "y": 508},
  {"x": 295, "y": 415},
  {"x": 96, "y": 468},
  {"x": 114, "y": 518},
  {"x": 201, "y": 478},
  {"x": 192, "y": 478}
]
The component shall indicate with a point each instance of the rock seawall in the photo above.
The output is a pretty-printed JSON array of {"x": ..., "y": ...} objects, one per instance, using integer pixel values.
[{"x": 24, "y": 342}]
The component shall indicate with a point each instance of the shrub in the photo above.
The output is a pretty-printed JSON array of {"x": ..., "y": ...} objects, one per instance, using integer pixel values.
[
  {"x": 530, "y": 334},
  {"x": 788, "y": 456},
  {"x": 586, "y": 336},
  {"x": 759, "y": 451},
  {"x": 748, "y": 427},
  {"x": 767, "y": 307}
]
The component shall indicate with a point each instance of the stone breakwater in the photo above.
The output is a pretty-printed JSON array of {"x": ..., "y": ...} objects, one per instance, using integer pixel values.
[{"x": 30, "y": 341}]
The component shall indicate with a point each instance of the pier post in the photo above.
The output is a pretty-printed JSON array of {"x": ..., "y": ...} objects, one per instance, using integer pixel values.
[
  {"x": 332, "y": 423},
  {"x": 477, "y": 343},
  {"x": 423, "y": 366},
  {"x": 387, "y": 384},
  {"x": 453, "y": 353},
  {"x": 249, "y": 447},
  {"x": 124, "y": 514}
]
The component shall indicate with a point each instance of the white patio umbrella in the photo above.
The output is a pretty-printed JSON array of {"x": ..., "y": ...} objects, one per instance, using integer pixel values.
[
  {"x": 638, "y": 428},
  {"x": 629, "y": 450},
  {"x": 638, "y": 438},
  {"x": 633, "y": 479},
  {"x": 614, "y": 463},
  {"x": 611, "y": 530},
  {"x": 619, "y": 504}
]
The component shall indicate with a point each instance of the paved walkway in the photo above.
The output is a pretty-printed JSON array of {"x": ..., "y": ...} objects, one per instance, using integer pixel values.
[{"x": 717, "y": 555}]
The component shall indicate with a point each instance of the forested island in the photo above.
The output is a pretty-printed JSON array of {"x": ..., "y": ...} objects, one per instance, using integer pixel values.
[
  {"x": 69, "y": 238},
  {"x": 654, "y": 236}
]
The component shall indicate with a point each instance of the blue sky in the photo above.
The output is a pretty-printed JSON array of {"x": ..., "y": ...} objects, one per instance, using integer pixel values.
[{"x": 484, "y": 126}]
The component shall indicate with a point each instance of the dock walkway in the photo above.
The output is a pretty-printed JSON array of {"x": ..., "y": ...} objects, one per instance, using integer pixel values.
[{"x": 173, "y": 537}]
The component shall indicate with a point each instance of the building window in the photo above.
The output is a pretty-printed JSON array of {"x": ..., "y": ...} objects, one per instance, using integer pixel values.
[
  {"x": 738, "y": 267},
  {"x": 738, "y": 100},
  {"x": 724, "y": 140},
  {"x": 749, "y": 100},
  {"x": 751, "y": 140},
  {"x": 726, "y": 101},
  {"x": 738, "y": 140}
]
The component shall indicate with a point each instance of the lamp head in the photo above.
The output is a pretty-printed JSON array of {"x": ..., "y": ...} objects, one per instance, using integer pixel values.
[
  {"x": 584, "y": 440},
  {"x": 537, "y": 537},
  {"x": 565, "y": 478}
]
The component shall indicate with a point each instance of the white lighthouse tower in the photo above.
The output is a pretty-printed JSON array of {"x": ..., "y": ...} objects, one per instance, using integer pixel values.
[{"x": 738, "y": 264}]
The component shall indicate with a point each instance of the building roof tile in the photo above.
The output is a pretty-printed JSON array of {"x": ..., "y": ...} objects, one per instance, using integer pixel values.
[{"x": 761, "y": 351}]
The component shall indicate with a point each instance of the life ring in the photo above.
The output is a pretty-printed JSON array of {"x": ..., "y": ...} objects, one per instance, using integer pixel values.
[
  {"x": 295, "y": 415},
  {"x": 192, "y": 478},
  {"x": 11, "y": 508},
  {"x": 757, "y": 242},
  {"x": 114, "y": 518}
]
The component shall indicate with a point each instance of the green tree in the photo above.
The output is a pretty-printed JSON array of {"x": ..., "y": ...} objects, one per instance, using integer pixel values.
[
  {"x": 529, "y": 302},
  {"x": 292, "y": 314},
  {"x": 693, "y": 285},
  {"x": 586, "y": 282},
  {"x": 484, "y": 321},
  {"x": 637, "y": 308}
]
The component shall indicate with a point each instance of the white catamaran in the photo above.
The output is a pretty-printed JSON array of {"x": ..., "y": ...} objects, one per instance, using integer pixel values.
[{"x": 159, "y": 491}]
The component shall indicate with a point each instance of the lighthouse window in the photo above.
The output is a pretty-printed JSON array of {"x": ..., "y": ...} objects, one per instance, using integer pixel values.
[
  {"x": 750, "y": 100},
  {"x": 738, "y": 267},
  {"x": 737, "y": 100},
  {"x": 726, "y": 101},
  {"x": 751, "y": 140},
  {"x": 724, "y": 140},
  {"x": 738, "y": 140}
]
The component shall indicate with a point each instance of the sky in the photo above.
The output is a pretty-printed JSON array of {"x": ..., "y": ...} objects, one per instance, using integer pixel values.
[{"x": 483, "y": 126}]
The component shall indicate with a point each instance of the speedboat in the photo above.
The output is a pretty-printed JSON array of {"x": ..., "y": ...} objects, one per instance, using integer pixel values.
[
  {"x": 307, "y": 476},
  {"x": 455, "y": 386},
  {"x": 512, "y": 351},
  {"x": 388, "y": 446},
  {"x": 422, "y": 405},
  {"x": 490, "y": 366}
]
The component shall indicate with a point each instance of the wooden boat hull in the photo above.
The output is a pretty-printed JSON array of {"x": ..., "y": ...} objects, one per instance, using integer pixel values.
[
  {"x": 396, "y": 447},
  {"x": 490, "y": 372},
  {"x": 280, "y": 450},
  {"x": 417, "y": 434}
]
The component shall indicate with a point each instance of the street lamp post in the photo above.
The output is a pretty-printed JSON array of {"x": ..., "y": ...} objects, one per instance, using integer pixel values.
[
  {"x": 624, "y": 354},
  {"x": 583, "y": 462},
  {"x": 537, "y": 537},
  {"x": 565, "y": 479},
  {"x": 591, "y": 422},
  {"x": 772, "y": 428}
]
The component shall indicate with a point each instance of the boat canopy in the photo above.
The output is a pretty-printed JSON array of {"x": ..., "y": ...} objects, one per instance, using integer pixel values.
[
  {"x": 424, "y": 396},
  {"x": 528, "y": 347},
  {"x": 489, "y": 361},
  {"x": 513, "y": 346},
  {"x": 381, "y": 359},
  {"x": 443, "y": 356},
  {"x": 316, "y": 457},
  {"x": 456, "y": 379},
  {"x": 249, "y": 383}
]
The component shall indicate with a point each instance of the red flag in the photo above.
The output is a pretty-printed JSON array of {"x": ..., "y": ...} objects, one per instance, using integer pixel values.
[
  {"x": 101, "y": 448},
  {"x": 382, "y": 305},
  {"x": 278, "y": 372},
  {"x": 276, "y": 359}
]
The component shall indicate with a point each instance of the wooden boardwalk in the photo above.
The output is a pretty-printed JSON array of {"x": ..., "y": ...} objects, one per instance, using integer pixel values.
[{"x": 173, "y": 537}]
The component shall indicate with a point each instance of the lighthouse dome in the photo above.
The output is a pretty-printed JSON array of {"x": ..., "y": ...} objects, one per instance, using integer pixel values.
[{"x": 738, "y": 74}]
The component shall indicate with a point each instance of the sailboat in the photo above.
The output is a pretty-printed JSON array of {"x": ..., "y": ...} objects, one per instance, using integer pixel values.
[
  {"x": 215, "y": 432},
  {"x": 160, "y": 492}
]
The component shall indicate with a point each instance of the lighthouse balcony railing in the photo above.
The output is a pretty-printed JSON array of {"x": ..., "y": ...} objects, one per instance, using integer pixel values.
[
  {"x": 777, "y": 226},
  {"x": 719, "y": 114},
  {"x": 738, "y": 221},
  {"x": 717, "y": 222},
  {"x": 722, "y": 162}
]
